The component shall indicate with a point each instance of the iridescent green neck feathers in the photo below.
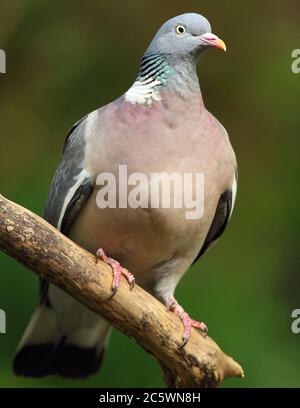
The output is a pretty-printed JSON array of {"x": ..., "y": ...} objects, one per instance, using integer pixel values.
[{"x": 153, "y": 75}]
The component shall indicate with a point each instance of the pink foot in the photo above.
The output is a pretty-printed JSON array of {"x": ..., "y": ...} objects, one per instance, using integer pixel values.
[
  {"x": 118, "y": 271},
  {"x": 188, "y": 323}
]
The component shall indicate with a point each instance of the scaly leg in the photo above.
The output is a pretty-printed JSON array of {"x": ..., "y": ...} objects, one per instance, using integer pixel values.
[
  {"x": 118, "y": 271},
  {"x": 188, "y": 323}
]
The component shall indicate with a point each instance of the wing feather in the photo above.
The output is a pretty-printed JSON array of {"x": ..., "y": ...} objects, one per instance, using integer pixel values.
[
  {"x": 222, "y": 215},
  {"x": 70, "y": 189}
]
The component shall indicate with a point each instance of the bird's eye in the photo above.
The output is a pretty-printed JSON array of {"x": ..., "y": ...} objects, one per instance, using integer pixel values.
[{"x": 180, "y": 29}]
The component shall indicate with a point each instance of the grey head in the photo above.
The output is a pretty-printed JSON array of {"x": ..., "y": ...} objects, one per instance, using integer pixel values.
[
  {"x": 169, "y": 64},
  {"x": 184, "y": 36}
]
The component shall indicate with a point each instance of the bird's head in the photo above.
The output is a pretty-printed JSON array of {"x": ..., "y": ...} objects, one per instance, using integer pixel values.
[
  {"x": 170, "y": 61},
  {"x": 184, "y": 36}
]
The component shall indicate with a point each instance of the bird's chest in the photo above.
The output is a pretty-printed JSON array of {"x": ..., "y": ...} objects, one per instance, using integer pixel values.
[
  {"x": 157, "y": 182},
  {"x": 143, "y": 227}
]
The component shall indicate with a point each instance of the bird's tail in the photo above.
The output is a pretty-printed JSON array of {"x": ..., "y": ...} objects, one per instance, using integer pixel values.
[{"x": 65, "y": 339}]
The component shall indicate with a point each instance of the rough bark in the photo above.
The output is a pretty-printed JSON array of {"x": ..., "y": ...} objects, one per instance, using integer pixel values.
[{"x": 37, "y": 245}]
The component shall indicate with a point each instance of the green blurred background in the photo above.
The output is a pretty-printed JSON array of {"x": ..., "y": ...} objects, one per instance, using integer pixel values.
[{"x": 64, "y": 59}]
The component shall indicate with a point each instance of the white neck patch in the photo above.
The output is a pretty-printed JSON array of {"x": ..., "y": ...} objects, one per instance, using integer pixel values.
[{"x": 143, "y": 92}]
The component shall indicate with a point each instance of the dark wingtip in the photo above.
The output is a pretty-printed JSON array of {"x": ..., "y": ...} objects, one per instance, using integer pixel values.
[
  {"x": 34, "y": 360},
  {"x": 76, "y": 362}
]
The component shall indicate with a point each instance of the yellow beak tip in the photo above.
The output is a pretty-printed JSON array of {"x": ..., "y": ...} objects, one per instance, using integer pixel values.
[{"x": 222, "y": 45}]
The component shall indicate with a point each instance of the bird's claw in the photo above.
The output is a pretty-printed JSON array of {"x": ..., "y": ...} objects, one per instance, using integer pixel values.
[
  {"x": 117, "y": 269},
  {"x": 132, "y": 283},
  {"x": 100, "y": 254},
  {"x": 188, "y": 322}
]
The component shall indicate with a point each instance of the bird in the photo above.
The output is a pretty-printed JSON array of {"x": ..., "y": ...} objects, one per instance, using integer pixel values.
[{"x": 159, "y": 125}]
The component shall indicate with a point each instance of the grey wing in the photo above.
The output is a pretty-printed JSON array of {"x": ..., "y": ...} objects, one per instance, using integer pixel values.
[
  {"x": 221, "y": 218},
  {"x": 70, "y": 188},
  {"x": 71, "y": 185}
]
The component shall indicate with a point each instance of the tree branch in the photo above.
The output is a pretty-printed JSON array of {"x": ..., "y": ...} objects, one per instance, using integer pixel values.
[{"x": 37, "y": 245}]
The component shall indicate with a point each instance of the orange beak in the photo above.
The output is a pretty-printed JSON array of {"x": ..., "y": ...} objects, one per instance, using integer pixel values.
[
  {"x": 211, "y": 40},
  {"x": 220, "y": 44}
]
